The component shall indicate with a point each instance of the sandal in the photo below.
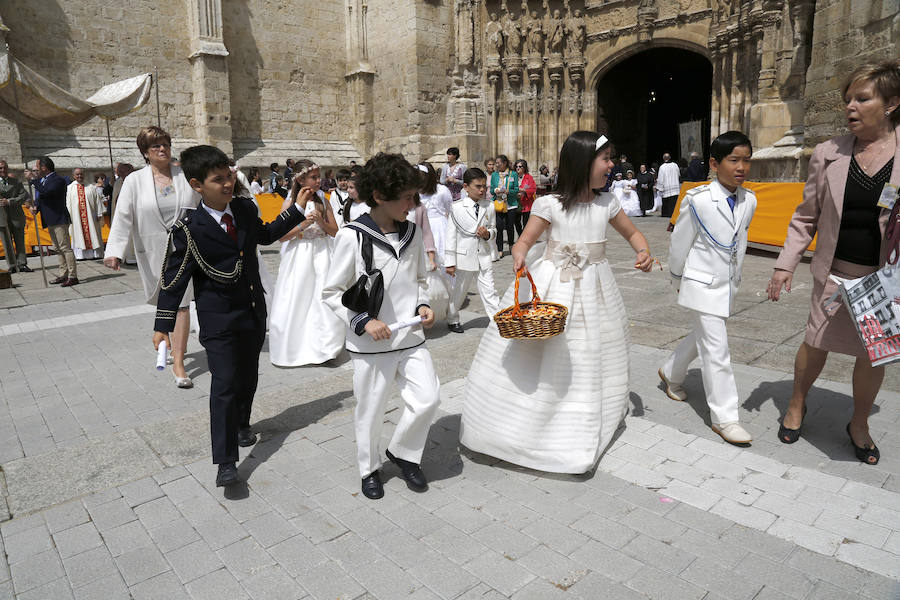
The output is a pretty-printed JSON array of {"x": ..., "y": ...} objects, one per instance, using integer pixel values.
[
  {"x": 863, "y": 454},
  {"x": 787, "y": 435}
]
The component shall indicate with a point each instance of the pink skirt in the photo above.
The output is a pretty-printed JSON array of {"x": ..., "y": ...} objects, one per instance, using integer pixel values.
[{"x": 835, "y": 332}]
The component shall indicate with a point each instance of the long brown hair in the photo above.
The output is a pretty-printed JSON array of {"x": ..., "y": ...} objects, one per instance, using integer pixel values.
[{"x": 302, "y": 167}]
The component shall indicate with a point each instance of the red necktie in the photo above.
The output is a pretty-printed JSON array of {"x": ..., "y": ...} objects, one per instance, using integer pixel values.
[{"x": 230, "y": 229}]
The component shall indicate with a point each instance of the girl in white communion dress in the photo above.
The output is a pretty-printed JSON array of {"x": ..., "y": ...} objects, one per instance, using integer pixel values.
[{"x": 553, "y": 405}]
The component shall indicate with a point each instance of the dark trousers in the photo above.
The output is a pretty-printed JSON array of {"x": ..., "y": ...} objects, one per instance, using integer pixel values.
[
  {"x": 233, "y": 358},
  {"x": 516, "y": 215},
  {"x": 524, "y": 220},
  {"x": 668, "y": 205},
  {"x": 14, "y": 235},
  {"x": 505, "y": 222}
]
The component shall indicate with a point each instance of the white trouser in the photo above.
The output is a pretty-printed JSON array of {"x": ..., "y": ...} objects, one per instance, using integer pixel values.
[
  {"x": 373, "y": 376},
  {"x": 709, "y": 340},
  {"x": 461, "y": 285}
]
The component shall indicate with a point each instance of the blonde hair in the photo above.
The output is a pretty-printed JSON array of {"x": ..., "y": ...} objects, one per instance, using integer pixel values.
[
  {"x": 152, "y": 135},
  {"x": 885, "y": 77}
]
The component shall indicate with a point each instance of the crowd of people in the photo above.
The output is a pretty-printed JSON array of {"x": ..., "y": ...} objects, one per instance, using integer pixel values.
[{"x": 374, "y": 254}]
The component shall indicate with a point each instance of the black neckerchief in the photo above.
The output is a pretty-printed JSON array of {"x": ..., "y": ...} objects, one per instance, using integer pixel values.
[{"x": 366, "y": 226}]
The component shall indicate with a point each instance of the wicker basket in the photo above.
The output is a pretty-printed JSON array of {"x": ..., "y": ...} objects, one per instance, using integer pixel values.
[{"x": 520, "y": 322}]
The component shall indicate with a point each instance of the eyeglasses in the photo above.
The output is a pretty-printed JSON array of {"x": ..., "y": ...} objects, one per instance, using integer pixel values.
[{"x": 160, "y": 146}]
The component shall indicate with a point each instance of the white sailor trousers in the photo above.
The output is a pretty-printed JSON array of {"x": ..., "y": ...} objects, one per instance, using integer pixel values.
[
  {"x": 709, "y": 341},
  {"x": 461, "y": 284},
  {"x": 373, "y": 379}
]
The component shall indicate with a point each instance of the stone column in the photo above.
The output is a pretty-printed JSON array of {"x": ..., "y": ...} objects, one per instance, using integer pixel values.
[
  {"x": 716, "y": 82},
  {"x": 724, "y": 95},
  {"x": 10, "y": 138},
  {"x": 209, "y": 75},
  {"x": 734, "y": 121},
  {"x": 360, "y": 78}
]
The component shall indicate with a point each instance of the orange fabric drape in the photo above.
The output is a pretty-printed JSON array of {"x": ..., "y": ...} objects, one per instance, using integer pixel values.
[{"x": 775, "y": 205}]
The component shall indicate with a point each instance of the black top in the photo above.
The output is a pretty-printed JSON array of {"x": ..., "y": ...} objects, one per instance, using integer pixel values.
[{"x": 859, "y": 240}]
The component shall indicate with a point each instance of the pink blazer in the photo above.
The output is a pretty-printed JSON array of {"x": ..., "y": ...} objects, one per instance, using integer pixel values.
[{"x": 822, "y": 206}]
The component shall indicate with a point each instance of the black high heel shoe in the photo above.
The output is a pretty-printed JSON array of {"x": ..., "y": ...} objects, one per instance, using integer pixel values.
[
  {"x": 789, "y": 436},
  {"x": 863, "y": 454}
]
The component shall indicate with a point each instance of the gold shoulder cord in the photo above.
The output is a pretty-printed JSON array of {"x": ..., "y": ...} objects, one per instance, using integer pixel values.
[{"x": 208, "y": 270}]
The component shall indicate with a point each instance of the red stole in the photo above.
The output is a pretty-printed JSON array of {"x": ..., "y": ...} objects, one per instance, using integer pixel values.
[{"x": 83, "y": 215}]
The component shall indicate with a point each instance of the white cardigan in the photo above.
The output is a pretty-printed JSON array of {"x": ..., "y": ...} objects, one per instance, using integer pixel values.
[{"x": 138, "y": 219}]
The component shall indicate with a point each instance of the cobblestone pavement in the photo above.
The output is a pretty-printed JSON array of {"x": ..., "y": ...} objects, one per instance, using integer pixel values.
[{"x": 110, "y": 492}]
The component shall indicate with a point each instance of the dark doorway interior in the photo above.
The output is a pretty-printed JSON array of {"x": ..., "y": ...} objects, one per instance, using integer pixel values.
[{"x": 642, "y": 100}]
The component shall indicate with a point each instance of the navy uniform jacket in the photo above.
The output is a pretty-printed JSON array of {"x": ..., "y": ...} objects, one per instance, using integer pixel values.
[
  {"x": 51, "y": 200},
  {"x": 227, "y": 289}
]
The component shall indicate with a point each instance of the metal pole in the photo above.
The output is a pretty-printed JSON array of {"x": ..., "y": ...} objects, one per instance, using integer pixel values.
[
  {"x": 156, "y": 81},
  {"x": 112, "y": 171},
  {"x": 15, "y": 88}
]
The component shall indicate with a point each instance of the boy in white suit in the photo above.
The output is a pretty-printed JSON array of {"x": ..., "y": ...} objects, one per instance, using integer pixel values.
[
  {"x": 389, "y": 249},
  {"x": 706, "y": 253},
  {"x": 467, "y": 247}
]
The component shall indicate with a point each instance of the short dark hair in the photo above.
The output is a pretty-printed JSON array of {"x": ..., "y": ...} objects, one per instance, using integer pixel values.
[
  {"x": 273, "y": 166},
  {"x": 723, "y": 145},
  {"x": 387, "y": 174},
  {"x": 198, "y": 161},
  {"x": 575, "y": 159},
  {"x": 343, "y": 174},
  {"x": 502, "y": 157},
  {"x": 473, "y": 173},
  {"x": 454, "y": 151},
  {"x": 355, "y": 170},
  {"x": 47, "y": 162}
]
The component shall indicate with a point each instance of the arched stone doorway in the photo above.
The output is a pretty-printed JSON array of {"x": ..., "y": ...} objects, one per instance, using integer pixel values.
[{"x": 642, "y": 98}]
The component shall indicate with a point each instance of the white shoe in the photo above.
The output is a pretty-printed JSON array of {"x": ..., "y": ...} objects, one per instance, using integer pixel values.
[
  {"x": 732, "y": 432},
  {"x": 673, "y": 390},
  {"x": 184, "y": 383}
]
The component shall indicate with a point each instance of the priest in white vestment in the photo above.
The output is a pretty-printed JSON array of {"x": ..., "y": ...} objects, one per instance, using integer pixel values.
[{"x": 85, "y": 204}]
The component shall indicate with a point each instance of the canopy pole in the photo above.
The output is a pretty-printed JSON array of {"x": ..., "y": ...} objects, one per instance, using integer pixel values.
[
  {"x": 156, "y": 81},
  {"x": 112, "y": 169},
  {"x": 15, "y": 88}
]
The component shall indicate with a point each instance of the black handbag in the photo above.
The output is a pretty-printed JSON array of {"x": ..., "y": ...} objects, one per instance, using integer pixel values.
[{"x": 367, "y": 294}]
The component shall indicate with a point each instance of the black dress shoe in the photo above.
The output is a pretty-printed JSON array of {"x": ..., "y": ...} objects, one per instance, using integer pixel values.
[
  {"x": 70, "y": 282},
  {"x": 455, "y": 327},
  {"x": 372, "y": 487},
  {"x": 415, "y": 478},
  {"x": 25, "y": 269},
  {"x": 59, "y": 280},
  {"x": 246, "y": 437},
  {"x": 228, "y": 475}
]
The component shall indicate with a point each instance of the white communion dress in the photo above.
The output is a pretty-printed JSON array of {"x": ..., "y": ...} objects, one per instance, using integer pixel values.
[
  {"x": 554, "y": 404},
  {"x": 302, "y": 330}
]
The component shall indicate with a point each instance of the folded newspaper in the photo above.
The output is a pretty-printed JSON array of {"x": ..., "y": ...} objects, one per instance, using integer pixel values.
[{"x": 874, "y": 303}]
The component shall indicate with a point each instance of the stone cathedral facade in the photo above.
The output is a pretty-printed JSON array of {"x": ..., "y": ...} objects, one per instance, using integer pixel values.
[{"x": 338, "y": 80}]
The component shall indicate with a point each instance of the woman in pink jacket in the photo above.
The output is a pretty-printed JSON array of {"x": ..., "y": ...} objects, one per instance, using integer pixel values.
[{"x": 840, "y": 202}]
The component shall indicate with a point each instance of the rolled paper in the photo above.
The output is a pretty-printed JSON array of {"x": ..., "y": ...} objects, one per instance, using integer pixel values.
[
  {"x": 161, "y": 353},
  {"x": 405, "y": 323}
]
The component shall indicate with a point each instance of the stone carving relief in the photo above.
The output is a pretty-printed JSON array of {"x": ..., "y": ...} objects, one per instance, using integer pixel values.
[
  {"x": 576, "y": 33},
  {"x": 493, "y": 34},
  {"x": 465, "y": 32}
]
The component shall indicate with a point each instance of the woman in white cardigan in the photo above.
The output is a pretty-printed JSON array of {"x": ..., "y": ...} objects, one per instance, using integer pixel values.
[{"x": 150, "y": 202}]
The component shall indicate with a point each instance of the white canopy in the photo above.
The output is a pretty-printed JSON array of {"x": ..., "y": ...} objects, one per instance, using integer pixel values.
[{"x": 42, "y": 103}]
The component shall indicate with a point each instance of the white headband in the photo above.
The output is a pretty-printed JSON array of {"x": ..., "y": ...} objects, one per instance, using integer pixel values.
[
  {"x": 306, "y": 170},
  {"x": 422, "y": 168},
  {"x": 601, "y": 141}
]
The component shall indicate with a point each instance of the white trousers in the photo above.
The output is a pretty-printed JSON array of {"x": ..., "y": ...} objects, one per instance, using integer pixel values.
[
  {"x": 709, "y": 341},
  {"x": 373, "y": 379},
  {"x": 461, "y": 284}
]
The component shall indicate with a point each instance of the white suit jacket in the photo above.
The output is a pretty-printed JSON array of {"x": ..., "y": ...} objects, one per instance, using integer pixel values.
[
  {"x": 137, "y": 218},
  {"x": 462, "y": 248},
  {"x": 707, "y": 247}
]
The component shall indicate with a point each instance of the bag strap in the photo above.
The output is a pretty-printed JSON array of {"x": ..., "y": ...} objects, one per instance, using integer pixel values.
[
  {"x": 892, "y": 233},
  {"x": 365, "y": 248}
]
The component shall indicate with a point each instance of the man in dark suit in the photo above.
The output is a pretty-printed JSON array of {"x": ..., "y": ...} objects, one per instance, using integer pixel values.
[
  {"x": 51, "y": 203},
  {"x": 215, "y": 247},
  {"x": 12, "y": 220}
]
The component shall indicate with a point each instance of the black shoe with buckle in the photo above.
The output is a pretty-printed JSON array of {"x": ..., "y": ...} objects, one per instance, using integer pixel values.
[
  {"x": 228, "y": 475},
  {"x": 372, "y": 487},
  {"x": 415, "y": 478},
  {"x": 455, "y": 327},
  {"x": 246, "y": 437}
]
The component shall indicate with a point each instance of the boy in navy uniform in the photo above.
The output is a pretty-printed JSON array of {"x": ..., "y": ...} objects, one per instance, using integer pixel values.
[{"x": 215, "y": 246}]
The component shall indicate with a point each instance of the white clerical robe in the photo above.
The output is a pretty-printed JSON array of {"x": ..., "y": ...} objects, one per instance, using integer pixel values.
[{"x": 85, "y": 204}]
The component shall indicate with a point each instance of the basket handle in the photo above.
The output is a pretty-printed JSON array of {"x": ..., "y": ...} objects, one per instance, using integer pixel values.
[{"x": 534, "y": 292}]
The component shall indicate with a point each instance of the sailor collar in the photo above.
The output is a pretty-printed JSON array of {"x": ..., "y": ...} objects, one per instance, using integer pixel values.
[{"x": 366, "y": 226}]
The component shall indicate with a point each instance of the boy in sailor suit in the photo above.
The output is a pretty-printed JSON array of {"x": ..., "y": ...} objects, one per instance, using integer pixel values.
[
  {"x": 705, "y": 257},
  {"x": 468, "y": 247},
  {"x": 215, "y": 247},
  {"x": 397, "y": 291}
]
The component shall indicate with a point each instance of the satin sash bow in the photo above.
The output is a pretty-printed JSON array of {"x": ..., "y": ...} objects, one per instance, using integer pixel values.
[{"x": 571, "y": 258}]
